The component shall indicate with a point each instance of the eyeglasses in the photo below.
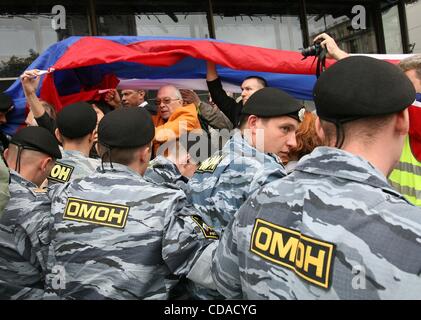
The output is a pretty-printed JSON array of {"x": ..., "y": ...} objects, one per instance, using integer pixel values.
[{"x": 165, "y": 101}]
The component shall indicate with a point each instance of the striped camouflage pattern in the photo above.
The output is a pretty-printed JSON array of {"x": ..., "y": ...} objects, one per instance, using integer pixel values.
[
  {"x": 83, "y": 165},
  {"x": 138, "y": 261},
  {"x": 25, "y": 196},
  {"x": 161, "y": 170},
  {"x": 335, "y": 197},
  {"x": 4, "y": 185},
  {"x": 22, "y": 258},
  {"x": 243, "y": 169},
  {"x": 28, "y": 215}
]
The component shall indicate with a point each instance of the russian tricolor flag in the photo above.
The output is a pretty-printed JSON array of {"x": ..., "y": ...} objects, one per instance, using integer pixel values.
[{"x": 83, "y": 68}]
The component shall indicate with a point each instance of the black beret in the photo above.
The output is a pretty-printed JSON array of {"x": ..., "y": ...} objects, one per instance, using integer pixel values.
[
  {"x": 271, "y": 102},
  {"x": 358, "y": 87},
  {"x": 126, "y": 128},
  {"x": 5, "y": 102},
  {"x": 38, "y": 139},
  {"x": 76, "y": 120}
]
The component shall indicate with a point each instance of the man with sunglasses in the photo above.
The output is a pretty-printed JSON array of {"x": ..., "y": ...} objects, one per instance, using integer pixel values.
[{"x": 173, "y": 117}]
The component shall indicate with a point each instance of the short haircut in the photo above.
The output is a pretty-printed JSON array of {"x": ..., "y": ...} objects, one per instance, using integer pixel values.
[
  {"x": 412, "y": 63},
  {"x": 260, "y": 80},
  {"x": 27, "y": 156},
  {"x": 124, "y": 156},
  {"x": 366, "y": 130},
  {"x": 243, "y": 120}
]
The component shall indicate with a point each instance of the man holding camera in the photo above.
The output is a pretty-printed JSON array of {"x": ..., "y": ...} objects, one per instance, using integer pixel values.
[{"x": 332, "y": 49}]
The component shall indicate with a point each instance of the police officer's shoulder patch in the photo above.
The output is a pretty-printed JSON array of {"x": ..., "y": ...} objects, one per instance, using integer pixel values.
[
  {"x": 61, "y": 172},
  {"x": 210, "y": 164},
  {"x": 207, "y": 231},
  {"x": 95, "y": 212},
  {"x": 310, "y": 258}
]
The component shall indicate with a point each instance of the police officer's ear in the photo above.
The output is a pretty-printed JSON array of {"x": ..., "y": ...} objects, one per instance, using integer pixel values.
[
  {"x": 252, "y": 123},
  {"x": 9, "y": 155},
  {"x": 145, "y": 153},
  {"x": 6, "y": 154},
  {"x": 47, "y": 164},
  {"x": 93, "y": 136},
  {"x": 402, "y": 122},
  {"x": 319, "y": 130},
  {"x": 58, "y": 135}
]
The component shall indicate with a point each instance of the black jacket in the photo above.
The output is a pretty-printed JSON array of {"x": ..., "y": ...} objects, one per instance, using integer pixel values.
[
  {"x": 151, "y": 108},
  {"x": 225, "y": 103}
]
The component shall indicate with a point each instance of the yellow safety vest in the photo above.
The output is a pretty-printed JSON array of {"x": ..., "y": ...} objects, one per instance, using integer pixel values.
[{"x": 406, "y": 177}]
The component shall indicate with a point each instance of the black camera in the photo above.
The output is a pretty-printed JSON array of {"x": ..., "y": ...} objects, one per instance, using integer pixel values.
[{"x": 313, "y": 50}]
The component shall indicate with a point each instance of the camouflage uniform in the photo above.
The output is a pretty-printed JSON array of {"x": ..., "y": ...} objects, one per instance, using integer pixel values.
[
  {"x": 25, "y": 246},
  {"x": 23, "y": 252},
  {"x": 73, "y": 165},
  {"x": 161, "y": 170},
  {"x": 25, "y": 196},
  {"x": 333, "y": 229},
  {"x": 4, "y": 185},
  {"x": 131, "y": 252},
  {"x": 223, "y": 182}
]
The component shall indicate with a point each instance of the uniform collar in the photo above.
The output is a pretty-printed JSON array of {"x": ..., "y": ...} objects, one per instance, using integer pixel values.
[
  {"x": 119, "y": 169},
  {"x": 161, "y": 162},
  {"x": 22, "y": 181},
  {"x": 240, "y": 146},
  {"x": 73, "y": 154},
  {"x": 342, "y": 164}
]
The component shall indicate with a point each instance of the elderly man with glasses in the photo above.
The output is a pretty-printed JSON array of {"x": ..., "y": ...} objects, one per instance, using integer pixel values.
[{"x": 173, "y": 118}]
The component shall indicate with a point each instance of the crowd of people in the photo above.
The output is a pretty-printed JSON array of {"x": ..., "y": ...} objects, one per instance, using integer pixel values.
[{"x": 249, "y": 198}]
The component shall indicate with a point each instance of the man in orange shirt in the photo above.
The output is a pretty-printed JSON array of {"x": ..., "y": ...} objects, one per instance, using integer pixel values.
[{"x": 173, "y": 117}]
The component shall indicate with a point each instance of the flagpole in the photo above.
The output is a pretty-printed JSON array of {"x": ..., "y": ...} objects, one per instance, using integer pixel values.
[{"x": 211, "y": 23}]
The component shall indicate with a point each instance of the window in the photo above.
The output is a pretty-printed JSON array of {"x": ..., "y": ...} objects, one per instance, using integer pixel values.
[
  {"x": 29, "y": 35},
  {"x": 340, "y": 28},
  {"x": 392, "y": 31},
  {"x": 277, "y": 32},
  {"x": 192, "y": 25},
  {"x": 115, "y": 25},
  {"x": 413, "y": 14},
  {"x": 25, "y": 37}
]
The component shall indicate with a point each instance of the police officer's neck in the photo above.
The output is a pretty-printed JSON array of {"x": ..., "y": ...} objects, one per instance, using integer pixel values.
[
  {"x": 82, "y": 146},
  {"x": 138, "y": 167},
  {"x": 382, "y": 157},
  {"x": 32, "y": 174}
]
